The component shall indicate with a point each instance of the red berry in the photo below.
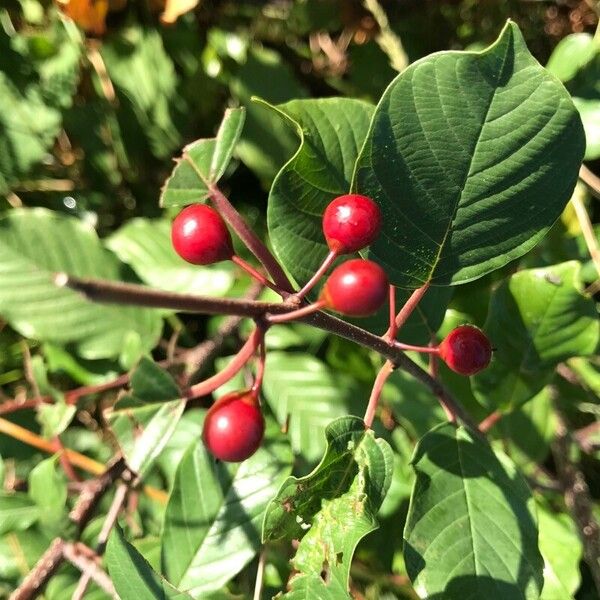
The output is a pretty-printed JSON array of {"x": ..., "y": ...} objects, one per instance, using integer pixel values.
[
  {"x": 351, "y": 223},
  {"x": 466, "y": 350},
  {"x": 356, "y": 288},
  {"x": 200, "y": 236},
  {"x": 234, "y": 426}
]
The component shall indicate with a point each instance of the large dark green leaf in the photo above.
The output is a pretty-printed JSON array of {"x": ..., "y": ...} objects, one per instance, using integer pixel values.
[
  {"x": 331, "y": 132},
  {"x": 471, "y": 530},
  {"x": 216, "y": 506},
  {"x": 133, "y": 577},
  {"x": 203, "y": 163},
  {"x": 331, "y": 509},
  {"x": 537, "y": 318},
  {"x": 36, "y": 243},
  {"x": 472, "y": 157}
]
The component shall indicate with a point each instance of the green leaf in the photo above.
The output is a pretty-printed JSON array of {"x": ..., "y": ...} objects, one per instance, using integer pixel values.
[
  {"x": 471, "y": 529},
  {"x": 331, "y": 132},
  {"x": 19, "y": 551},
  {"x": 17, "y": 512},
  {"x": 331, "y": 509},
  {"x": 303, "y": 389},
  {"x": 458, "y": 204},
  {"x": 144, "y": 77},
  {"x": 151, "y": 383},
  {"x": 48, "y": 489},
  {"x": 131, "y": 574},
  {"x": 571, "y": 54},
  {"x": 143, "y": 432},
  {"x": 589, "y": 111},
  {"x": 561, "y": 568},
  {"x": 203, "y": 163},
  {"x": 35, "y": 244},
  {"x": 145, "y": 245},
  {"x": 215, "y": 505},
  {"x": 55, "y": 418},
  {"x": 537, "y": 318},
  {"x": 266, "y": 142}
]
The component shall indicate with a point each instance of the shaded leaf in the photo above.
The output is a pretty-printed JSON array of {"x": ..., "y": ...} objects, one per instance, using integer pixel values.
[
  {"x": 17, "y": 512},
  {"x": 456, "y": 203},
  {"x": 303, "y": 389},
  {"x": 48, "y": 489},
  {"x": 151, "y": 383},
  {"x": 537, "y": 318},
  {"x": 471, "y": 529},
  {"x": 142, "y": 432}
]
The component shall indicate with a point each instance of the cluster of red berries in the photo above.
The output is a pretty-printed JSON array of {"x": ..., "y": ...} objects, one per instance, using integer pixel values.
[{"x": 234, "y": 425}]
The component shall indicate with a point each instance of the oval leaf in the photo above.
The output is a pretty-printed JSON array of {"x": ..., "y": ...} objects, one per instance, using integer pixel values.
[
  {"x": 472, "y": 157},
  {"x": 36, "y": 243},
  {"x": 537, "y": 318},
  {"x": 471, "y": 530},
  {"x": 203, "y": 163},
  {"x": 214, "y": 506}
]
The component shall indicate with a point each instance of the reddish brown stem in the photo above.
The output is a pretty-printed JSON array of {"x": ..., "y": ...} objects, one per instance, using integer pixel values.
[
  {"x": 310, "y": 284},
  {"x": 390, "y": 334},
  {"x": 297, "y": 314},
  {"x": 65, "y": 463},
  {"x": 409, "y": 306},
  {"x": 260, "y": 369},
  {"x": 411, "y": 348},
  {"x": 378, "y": 384},
  {"x": 240, "y": 262},
  {"x": 239, "y": 360},
  {"x": 251, "y": 240},
  {"x": 490, "y": 421}
]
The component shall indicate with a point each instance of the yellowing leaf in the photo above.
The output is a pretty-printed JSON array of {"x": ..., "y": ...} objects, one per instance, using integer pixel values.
[
  {"x": 90, "y": 15},
  {"x": 175, "y": 8}
]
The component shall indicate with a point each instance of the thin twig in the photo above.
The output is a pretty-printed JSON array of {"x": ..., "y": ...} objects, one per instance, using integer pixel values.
[
  {"x": 260, "y": 573},
  {"x": 81, "y": 557},
  {"x": 107, "y": 526},
  {"x": 588, "y": 231},
  {"x": 251, "y": 240},
  {"x": 591, "y": 180},
  {"x": 41, "y": 573},
  {"x": 378, "y": 384},
  {"x": 577, "y": 497},
  {"x": 490, "y": 421},
  {"x": 137, "y": 295}
]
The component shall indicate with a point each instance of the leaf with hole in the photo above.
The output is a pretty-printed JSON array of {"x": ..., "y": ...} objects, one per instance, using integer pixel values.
[{"x": 331, "y": 509}]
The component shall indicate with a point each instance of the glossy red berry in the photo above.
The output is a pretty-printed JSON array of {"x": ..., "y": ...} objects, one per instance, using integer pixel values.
[
  {"x": 200, "y": 236},
  {"x": 466, "y": 350},
  {"x": 357, "y": 288},
  {"x": 234, "y": 427},
  {"x": 351, "y": 222}
]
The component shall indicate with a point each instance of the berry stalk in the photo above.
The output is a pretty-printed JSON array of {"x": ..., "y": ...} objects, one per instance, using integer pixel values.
[{"x": 310, "y": 284}]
